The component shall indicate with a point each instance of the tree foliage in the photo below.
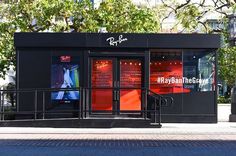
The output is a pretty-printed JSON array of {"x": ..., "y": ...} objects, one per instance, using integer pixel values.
[
  {"x": 68, "y": 16},
  {"x": 191, "y": 15},
  {"x": 227, "y": 65}
]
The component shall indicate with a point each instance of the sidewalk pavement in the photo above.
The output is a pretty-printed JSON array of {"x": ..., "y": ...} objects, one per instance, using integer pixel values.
[
  {"x": 220, "y": 131},
  {"x": 223, "y": 130},
  {"x": 170, "y": 140}
]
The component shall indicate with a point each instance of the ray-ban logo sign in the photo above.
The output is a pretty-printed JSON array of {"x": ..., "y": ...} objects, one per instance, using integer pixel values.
[{"x": 113, "y": 42}]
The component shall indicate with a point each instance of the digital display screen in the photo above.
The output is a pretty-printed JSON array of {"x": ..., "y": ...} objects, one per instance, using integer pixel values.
[{"x": 63, "y": 76}]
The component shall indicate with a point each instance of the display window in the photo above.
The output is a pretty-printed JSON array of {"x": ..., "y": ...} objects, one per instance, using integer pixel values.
[
  {"x": 65, "y": 74},
  {"x": 199, "y": 66},
  {"x": 176, "y": 71},
  {"x": 166, "y": 72}
]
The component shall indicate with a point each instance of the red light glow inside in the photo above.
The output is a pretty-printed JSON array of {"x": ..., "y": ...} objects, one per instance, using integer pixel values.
[{"x": 65, "y": 58}]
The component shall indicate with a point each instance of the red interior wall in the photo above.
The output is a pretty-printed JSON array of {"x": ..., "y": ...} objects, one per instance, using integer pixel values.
[
  {"x": 130, "y": 76},
  {"x": 102, "y": 76},
  {"x": 166, "y": 69}
]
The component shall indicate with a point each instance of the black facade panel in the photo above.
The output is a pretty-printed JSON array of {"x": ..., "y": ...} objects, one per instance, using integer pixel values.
[
  {"x": 127, "y": 40},
  {"x": 176, "y": 107},
  {"x": 178, "y": 118},
  {"x": 50, "y": 40},
  {"x": 175, "y": 41},
  {"x": 34, "y": 72},
  {"x": 34, "y": 68},
  {"x": 93, "y": 40},
  {"x": 199, "y": 103}
]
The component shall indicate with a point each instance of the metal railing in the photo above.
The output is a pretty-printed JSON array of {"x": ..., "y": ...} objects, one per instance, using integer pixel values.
[
  {"x": 159, "y": 102},
  {"x": 40, "y": 106}
]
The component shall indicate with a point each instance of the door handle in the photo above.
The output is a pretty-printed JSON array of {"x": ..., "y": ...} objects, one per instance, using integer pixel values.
[
  {"x": 118, "y": 83},
  {"x": 114, "y": 92},
  {"x": 114, "y": 84},
  {"x": 118, "y": 95}
]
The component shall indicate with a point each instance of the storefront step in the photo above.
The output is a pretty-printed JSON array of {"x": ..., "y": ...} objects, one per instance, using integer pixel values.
[{"x": 81, "y": 123}]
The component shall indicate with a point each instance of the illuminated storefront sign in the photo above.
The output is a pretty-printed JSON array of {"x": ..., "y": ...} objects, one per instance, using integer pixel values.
[{"x": 113, "y": 42}]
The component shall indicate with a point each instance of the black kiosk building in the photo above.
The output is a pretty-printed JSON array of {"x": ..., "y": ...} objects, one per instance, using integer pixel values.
[{"x": 113, "y": 73}]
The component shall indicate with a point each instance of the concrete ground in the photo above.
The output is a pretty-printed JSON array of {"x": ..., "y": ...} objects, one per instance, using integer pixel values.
[
  {"x": 224, "y": 111},
  {"x": 171, "y": 139}
]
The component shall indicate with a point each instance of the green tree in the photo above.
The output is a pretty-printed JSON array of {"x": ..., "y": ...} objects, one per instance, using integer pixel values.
[
  {"x": 227, "y": 65},
  {"x": 68, "y": 16},
  {"x": 124, "y": 16}
]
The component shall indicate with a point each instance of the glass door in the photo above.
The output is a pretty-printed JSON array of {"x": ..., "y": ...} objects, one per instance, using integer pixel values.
[
  {"x": 130, "y": 80},
  {"x": 102, "y": 83},
  {"x": 116, "y": 85}
]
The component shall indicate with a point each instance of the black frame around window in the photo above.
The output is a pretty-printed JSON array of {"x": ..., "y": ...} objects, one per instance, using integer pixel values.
[{"x": 117, "y": 56}]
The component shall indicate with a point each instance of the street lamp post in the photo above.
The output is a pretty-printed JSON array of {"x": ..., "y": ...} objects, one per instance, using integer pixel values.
[
  {"x": 232, "y": 29},
  {"x": 232, "y": 41}
]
